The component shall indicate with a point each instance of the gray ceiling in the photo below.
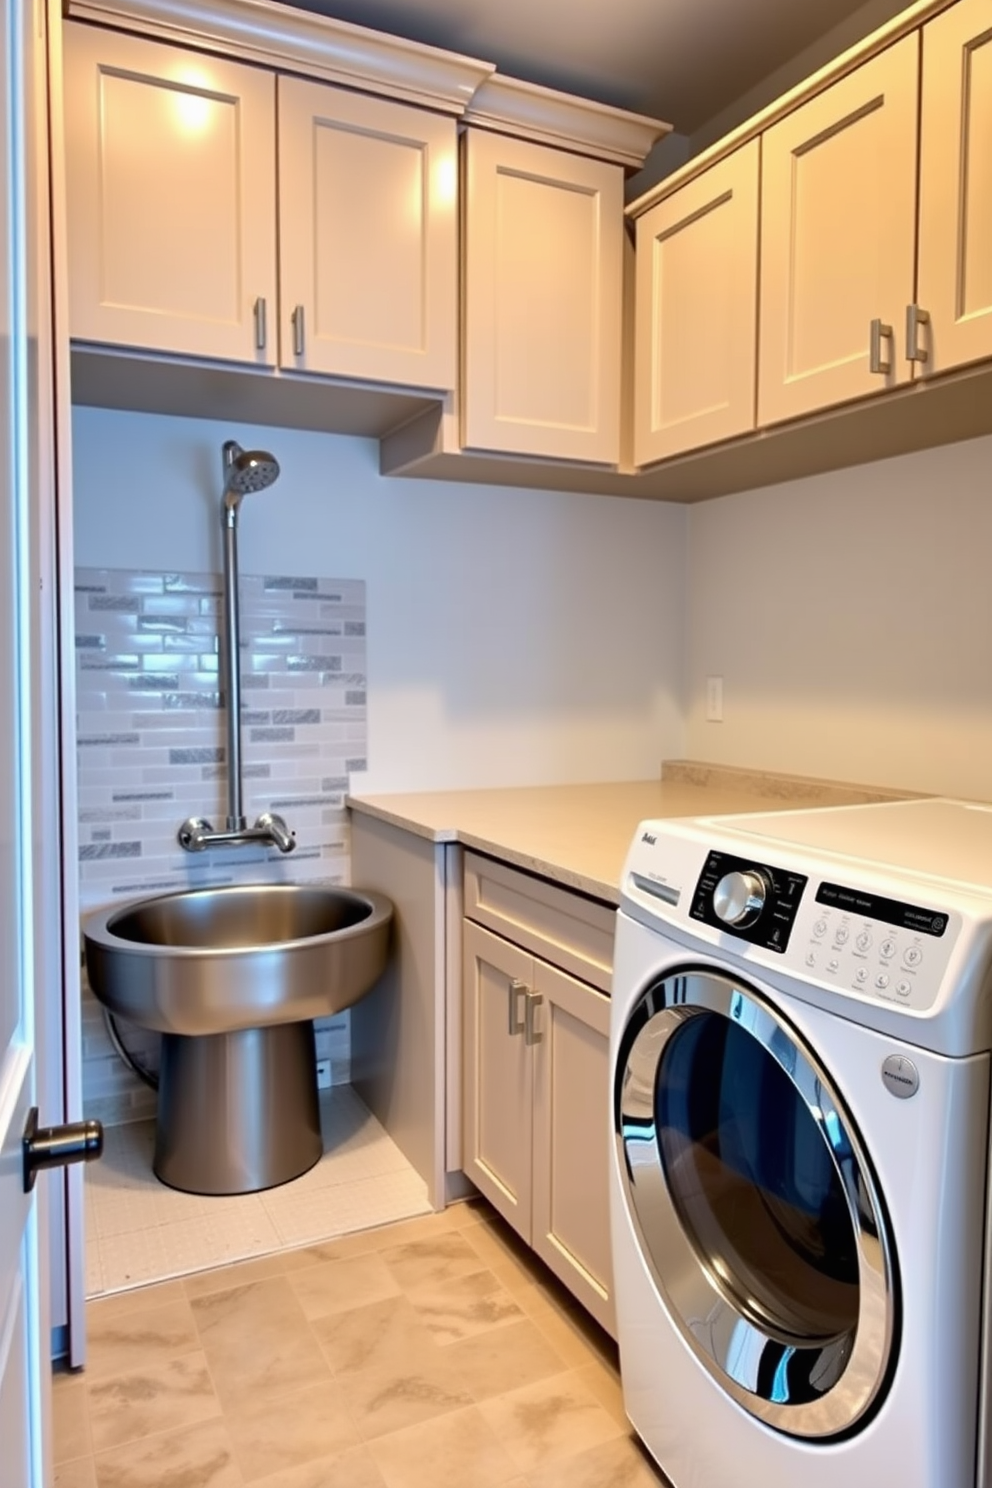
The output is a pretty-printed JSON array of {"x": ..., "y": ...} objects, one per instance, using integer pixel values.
[{"x": 680, "y": 60}]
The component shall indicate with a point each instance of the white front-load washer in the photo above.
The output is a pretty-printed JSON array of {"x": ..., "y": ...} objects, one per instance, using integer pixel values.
[{"x": 800, "y": 1046}]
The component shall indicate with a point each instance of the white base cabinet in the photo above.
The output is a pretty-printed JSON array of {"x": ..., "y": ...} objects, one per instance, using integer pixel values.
[{"x": 535, "y": 1091}]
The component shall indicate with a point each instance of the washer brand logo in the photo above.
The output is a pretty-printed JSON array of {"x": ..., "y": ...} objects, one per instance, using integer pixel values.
[
  {"x": 647, "y": 837},
  {"x": 900, "y": 1076}
]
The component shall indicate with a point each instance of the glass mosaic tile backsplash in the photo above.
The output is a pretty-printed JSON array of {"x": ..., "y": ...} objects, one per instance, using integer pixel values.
[{"x": 151, "y": 752}]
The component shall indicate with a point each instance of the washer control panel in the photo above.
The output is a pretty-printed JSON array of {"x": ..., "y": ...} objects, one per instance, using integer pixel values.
[
  {"x": 880, "y": 947},
  {"x": 752, "y": 900}
]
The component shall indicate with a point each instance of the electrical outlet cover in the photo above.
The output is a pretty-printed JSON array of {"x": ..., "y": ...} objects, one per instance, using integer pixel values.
[{"x": 323, "y": 1074}]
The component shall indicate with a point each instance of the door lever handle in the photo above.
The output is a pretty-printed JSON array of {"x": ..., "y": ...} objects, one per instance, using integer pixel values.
[{"x": 57, "y": 1146}]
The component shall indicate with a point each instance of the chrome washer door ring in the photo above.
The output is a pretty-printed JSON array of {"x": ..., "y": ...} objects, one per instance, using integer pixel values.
[{"x": 755, "y": 1205}]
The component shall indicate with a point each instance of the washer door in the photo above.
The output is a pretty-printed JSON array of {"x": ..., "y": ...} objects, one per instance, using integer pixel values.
[{"x": 755, "y": 1205}]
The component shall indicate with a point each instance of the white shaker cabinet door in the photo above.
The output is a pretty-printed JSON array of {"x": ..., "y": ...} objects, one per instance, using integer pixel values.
[
  {"x": 838, "y": 239},
  {"x": 170, "y": 165},
  {"x": 955, "y": 267},
  {"x": 570, "y": 1029},
  {"x": 497, "y": 1074},
  {"x": 368, "y": 237},
  {"x": 696, "y": 312},
  {"x": 543, "y": 256}
]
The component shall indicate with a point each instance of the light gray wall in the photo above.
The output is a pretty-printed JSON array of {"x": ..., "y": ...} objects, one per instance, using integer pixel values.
[
  {"x": 513, "y": 636},
  {"x": 850, "y": 616}
]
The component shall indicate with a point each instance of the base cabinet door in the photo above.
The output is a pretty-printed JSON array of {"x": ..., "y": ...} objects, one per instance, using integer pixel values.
[
  {"x": 171, "y": 193},
  {"x": 838, "y": 239},
  {"x": 696, "y": 312},
  {"x": 571, "y": 1222},
  {"x": 543, "y": 290},
  {"x": 368, "y": 237},
  {"x": 497, "y": 1074},
  {"x": 955, "y": 266}
]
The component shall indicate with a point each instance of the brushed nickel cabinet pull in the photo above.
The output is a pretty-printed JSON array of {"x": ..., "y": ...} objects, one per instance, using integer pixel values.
[
  {"x": 297, "y": 319},
  {"x": 532, "y": 1035},
  {"x": 880, "y": 331},
  {"x": 260, "y": 334},
  {"x": 516, "y": 990},
  {"x": 916, "y": 317}
]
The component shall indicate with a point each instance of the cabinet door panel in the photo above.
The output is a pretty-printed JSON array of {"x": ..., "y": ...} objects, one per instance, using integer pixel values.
[
  {"x": 170, "y": 164},
  {"x": 697, "y": 302},
  {"x": 955, "y": 270},
  {"x": 497, "y": 1073},
  {"x": 368, "y": 236},
  {"x": 838, "y": 227},
  {"x": 571, "y": 1224},
  {"x": 543, "y": 299}
]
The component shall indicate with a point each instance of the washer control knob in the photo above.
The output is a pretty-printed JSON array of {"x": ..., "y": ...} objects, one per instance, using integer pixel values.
[{"x": 739, "y": 898}]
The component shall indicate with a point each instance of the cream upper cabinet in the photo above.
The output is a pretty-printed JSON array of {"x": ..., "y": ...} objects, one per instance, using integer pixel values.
[
  {"x": 543, "y": 251},
  {"x": 170, "y": 167},
  {"x": 696, "y": 304},
  {"x": 955, "y": 253},
  {"x": 838, "y": 234},
  {"x": 368, "y": 237}
]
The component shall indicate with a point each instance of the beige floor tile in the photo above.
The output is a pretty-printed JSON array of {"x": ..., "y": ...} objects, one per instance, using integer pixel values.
[
  {"x": 138, "y": 1299},
  {"x": 78, "y": 1474},
  {"x": 198, "y": 1457},
  {"x": 620, "y": 1463},
  {"x": 507, "y": 1257},
  {"x": 257, "y": 1342},
  {"x": 455, "y": 1451},
  {"x": 223, "y": 1278},
  {"x": 275, "y": 1435},
  {"x": 342, "y": 1285},
  {"x": 432, "y": 1262},
  {"x": 382, "y": 1333},
  {"x": 604, "y": 1382},
  {"x": 138, "y": 1340},
  {"x": 391, "y": 1397},
  {"x": 70, "y": 1417},
  {"x": 354, "y": 1470},
  {"x": 554, "y": 1418},
  {"x": 126, "y": 1407},
  {"x": 503, "y": 1359},
  {"x": 569, "y": 1329},
  {"x": 466, "y": 1306},
  {"x": 423, "y": 1227}
]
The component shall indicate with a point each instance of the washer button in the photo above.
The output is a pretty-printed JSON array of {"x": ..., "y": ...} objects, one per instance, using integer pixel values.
[
  {"x": 881, "y": 981},
  {"x": 833, "y": 964},
  {"x": 820, "y": 928},
  {"x": 861, "y": 975},
  {"x": 912, "y": 956},
  {"x": 904, "y": 988},
  {"x": 900, "y": 1076},
  {"x": 887, "y": 948},
  {"x": 864, "y": 940},
  {"x": 842, "y": 935}
]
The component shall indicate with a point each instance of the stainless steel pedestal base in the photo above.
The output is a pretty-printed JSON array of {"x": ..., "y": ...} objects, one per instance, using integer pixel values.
[{"x": 237, "y": 1112}]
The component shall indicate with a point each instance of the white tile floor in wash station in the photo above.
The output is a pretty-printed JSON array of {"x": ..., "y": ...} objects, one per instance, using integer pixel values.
[{"x": 139, "y": 1231}]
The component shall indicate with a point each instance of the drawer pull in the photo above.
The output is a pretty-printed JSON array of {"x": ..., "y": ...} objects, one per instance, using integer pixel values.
[
  {"x": 532, "y": 1035},
  {"x": 517, "y": 990}
]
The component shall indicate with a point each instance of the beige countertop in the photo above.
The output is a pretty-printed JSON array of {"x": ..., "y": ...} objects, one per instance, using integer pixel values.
[{"x": 579, "y": 834}]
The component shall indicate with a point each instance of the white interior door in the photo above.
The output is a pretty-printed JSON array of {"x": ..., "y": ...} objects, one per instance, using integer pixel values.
[{"x": 23, "y": 1279}]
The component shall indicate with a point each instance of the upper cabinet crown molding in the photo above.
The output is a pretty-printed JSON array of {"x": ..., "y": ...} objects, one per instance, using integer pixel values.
[
  {"x": 903, "y": 24},
  {"x": 315, "y": 45},
  {"x": 579, "y": 125}
]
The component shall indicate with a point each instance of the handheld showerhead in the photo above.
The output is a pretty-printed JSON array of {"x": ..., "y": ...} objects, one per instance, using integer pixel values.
[{"x": 244, "y": 471}]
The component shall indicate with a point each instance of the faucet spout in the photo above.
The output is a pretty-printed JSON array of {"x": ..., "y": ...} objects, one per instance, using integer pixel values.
[{"x": 279, "y": 834}]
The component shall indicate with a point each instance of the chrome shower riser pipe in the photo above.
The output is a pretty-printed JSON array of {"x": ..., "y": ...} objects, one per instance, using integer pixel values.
[{"x": 231, "y": 656}]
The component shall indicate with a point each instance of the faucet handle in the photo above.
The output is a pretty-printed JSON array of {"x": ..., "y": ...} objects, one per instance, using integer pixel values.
[
  {"x": 194, "y": 833},
  {"x": 273, "y": 824}
]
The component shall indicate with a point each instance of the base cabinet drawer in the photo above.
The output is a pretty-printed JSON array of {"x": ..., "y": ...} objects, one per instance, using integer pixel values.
[{"x": 536, "y": 1108}]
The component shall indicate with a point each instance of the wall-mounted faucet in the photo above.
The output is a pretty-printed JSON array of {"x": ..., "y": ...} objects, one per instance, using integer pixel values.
[{"x": 244, "y": 471}]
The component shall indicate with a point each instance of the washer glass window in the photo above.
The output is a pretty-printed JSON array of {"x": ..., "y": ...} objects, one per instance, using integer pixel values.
[{"x": 755, "y": 1205}]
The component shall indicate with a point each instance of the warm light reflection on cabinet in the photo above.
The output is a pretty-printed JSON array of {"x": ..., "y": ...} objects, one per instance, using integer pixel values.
[
  {"x": 445, "y": 181},
  {"x": 192, "y": 103}
]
